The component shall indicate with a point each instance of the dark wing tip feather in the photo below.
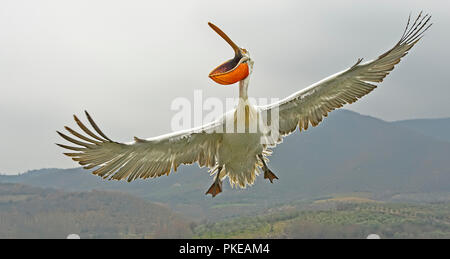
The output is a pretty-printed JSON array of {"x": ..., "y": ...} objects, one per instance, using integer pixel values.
[
  {"x": 80, "y": 136},
  {"x": 86, "y": 130},
  {"x": 74, "y": 141},
  {"x": 96, "y": 128},
  {"x": 70, "y": 147},
  {"x": 90, "y": 142},
  {"x": 416, "y": 29},
  {"x": 412, "y": 33}
]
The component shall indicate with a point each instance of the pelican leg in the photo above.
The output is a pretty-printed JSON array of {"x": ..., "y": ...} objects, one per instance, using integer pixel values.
[
  {"x": 267, "y": 173},
  {"x": 216, "y": 187}
]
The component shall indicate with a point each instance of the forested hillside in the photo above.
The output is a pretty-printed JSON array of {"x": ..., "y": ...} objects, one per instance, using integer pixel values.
[{"x": 29, "y": 212}]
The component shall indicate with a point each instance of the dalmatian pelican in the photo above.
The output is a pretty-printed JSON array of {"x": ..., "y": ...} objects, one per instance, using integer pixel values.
[{"x": 238, "y": 155}]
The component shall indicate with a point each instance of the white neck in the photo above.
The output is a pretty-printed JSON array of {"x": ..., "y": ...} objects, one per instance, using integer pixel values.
[
  {"x": 243, "y": 87},
  {"x": 243, "y": 84}
]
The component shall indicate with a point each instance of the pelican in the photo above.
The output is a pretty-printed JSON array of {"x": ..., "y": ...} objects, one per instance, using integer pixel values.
[{"x": 239, "y": 156}]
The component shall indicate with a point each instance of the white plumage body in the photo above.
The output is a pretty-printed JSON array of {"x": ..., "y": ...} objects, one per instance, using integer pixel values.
[{"x": 239, "y": 149}]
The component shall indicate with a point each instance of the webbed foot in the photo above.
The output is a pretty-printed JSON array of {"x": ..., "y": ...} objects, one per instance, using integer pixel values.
[
  {"x": 215, "y": 188},
  {"x": 269, "y": 175}
]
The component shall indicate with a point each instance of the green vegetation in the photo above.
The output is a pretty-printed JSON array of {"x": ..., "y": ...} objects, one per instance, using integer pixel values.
[{"x": 332, "y": 219}]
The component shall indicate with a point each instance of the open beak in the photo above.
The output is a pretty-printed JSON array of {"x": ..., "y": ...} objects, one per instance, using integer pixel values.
[{"x": 233, "y": 70}]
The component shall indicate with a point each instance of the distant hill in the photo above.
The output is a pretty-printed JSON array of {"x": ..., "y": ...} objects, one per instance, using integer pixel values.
[
  {"x": 348, "y": 152},
  {"x": 31, "y": 212},
  {"x": 436, "y": 128}
]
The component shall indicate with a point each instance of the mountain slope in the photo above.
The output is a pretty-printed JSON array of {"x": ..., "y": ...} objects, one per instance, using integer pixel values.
[
  {"x": 436, "y": 128},
  {"x": 360, "y": 153},
  {"x": 30, "y": 212}
]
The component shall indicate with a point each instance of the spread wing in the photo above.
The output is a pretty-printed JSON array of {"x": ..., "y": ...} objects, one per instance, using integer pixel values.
[
  {"x": 312, "y": 104},
  {"x": 143, "y": 158}
]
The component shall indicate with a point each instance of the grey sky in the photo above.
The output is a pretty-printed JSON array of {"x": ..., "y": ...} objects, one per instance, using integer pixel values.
[{"x": 125, "y": 61}]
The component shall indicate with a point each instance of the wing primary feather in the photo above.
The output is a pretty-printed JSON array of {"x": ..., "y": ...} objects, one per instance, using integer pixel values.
[
  {"x": 72, "y": 154},
  {"x": 89, "y": 166},
  {"x": 419, "y": 30},
  {"x": 418, "y": 37},
  {"x": 74, "y": 141},
  {"x": 416, "y": 28},
  {"x": 413, "y": 26},
  {"x": 86, "y": 130},
  {"x": 71, "y": 148},
  {"x": 406, "y": 28},
  {"x": 96, "y": 127},
  {"x": 76, "y": 134}
]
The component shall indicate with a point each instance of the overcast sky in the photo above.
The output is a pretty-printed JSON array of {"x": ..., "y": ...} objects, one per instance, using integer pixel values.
[{"x": 125, "y": 61}]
